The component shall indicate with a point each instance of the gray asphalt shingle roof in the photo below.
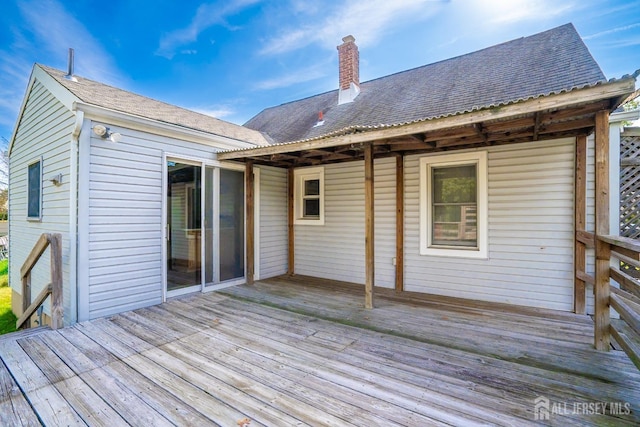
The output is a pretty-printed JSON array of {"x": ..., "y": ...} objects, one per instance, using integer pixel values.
[
  {"x": 102, "y": 95},
  {"x": 550, "y": 62}
]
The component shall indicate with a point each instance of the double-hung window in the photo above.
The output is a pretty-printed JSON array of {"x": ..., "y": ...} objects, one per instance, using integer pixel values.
[
  {"x": 34, "y": 190},
  {"x": 309, "y": 196},
  {"x": 453, "y": 205}
]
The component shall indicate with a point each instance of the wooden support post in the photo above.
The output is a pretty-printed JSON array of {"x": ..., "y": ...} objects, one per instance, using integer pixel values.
[
  {"x": 57, "y": 307},
  {"x": 579, "y": 287},
  {"x": 292, "y": 238},
  {"x": 26, "y": 297},
  {"x": 369, "y": 222},
  {"x": 399, "y": 223},
  {"x": 603, "y": 250},
  {"x": 250, "y": 221}
]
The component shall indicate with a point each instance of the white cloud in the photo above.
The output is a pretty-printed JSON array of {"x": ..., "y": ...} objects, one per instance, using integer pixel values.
[
  {"x": 367, "y": 20},
  {"x": 56, "y": 30},
  {"x": 515, "y": 11},
  {"x": 612, "y": 31},
  {"x": 46, "y": 31},
  {"x": 217, "y": 111},
  {"x": 300, "y": 76},
  {"x": 207, "y": 15}
]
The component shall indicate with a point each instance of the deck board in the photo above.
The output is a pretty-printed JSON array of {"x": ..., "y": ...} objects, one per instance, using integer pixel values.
[{"x": 304, "y": 351}]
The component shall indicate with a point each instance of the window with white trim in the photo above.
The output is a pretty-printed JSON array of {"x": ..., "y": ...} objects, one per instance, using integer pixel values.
[
  {"x": 34, "y": 190},
  {"x": 453, "y": 205},
  {"x": 308, "y": 190}
]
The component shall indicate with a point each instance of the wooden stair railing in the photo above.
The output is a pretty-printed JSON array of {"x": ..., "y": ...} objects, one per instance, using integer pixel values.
[
  {"x": 626, "y": 299},
  {"x": 54, "y": 242}
]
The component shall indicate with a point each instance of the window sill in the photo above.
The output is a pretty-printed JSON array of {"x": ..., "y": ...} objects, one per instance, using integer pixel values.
[
  {"x": 455, "y": 253},
  {"x": 302, "y": 221}
]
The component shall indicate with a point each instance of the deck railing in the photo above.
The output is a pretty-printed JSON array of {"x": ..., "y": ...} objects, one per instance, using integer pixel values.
[
  {"x": 54, "y": 242},
  {"x": 625, "y": 299}
]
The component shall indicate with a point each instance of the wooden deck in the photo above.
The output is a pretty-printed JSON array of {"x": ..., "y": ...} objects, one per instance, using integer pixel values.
[{"x": 218, "y": 359}]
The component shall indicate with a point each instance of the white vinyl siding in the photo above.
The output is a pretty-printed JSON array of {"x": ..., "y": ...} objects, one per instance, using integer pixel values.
[
  {"x": 124, "y": 269},
  {"x": 530, "y": 261},
  {"x": 44, "y": 131},
  {"x": 273, "y": 222},
  {"x": 530, "y": 203},
  {"x": 336, "y": 249}
]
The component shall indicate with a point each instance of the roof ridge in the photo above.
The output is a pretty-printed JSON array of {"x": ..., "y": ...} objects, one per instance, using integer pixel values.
[
  {"x": 44, "y": 67},
  {"x": 569, "y": 24},
  {"x": 107, "y": 96}
]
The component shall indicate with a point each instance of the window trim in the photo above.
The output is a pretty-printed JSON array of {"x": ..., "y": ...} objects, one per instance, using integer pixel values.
[
  {"x": 299, "y": 178},
  {"x": 479, "y": 158},
  {"x": 39, "y": 217}
]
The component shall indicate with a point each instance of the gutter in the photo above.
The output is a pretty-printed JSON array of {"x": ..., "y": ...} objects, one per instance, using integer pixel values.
[{"x": 73, "y": 215}]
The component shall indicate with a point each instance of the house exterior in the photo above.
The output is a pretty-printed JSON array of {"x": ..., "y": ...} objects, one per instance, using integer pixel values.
[
  {"x": 105, "y": 192},
  {"x": 474, "y": 177}
]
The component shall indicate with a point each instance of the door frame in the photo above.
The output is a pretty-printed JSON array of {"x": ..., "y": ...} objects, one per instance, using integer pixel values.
[{"x": 197, "y": 161}]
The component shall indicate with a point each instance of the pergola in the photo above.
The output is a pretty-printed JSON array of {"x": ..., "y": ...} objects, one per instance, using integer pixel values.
[{"x": 575, "y": 113}]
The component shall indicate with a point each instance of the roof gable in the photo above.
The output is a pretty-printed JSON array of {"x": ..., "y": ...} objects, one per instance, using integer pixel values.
[
  {"x": 112, "y": 98},
  {"x": 550, "y": 62}
]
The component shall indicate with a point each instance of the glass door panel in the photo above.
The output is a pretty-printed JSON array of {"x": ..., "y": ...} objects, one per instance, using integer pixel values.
[
  {"x": 184, "y": 228},
  {"x": 209, "y": 226},
  {"x": 231, "y": 225}
]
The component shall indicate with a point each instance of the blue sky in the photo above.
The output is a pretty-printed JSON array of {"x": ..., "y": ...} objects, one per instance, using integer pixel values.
[{"x": 232, "y": 58}]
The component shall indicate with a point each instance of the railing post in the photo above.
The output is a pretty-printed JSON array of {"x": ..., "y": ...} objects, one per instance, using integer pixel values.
[
  {"x": 579, "y": 286},
  {"x": 602, "y": 319},
  {"x": 57, "y": 307},
  {"x": 26, "y": 296}
]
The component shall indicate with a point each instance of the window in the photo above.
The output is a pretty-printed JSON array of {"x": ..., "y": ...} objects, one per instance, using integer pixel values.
[
  {"x": 34, "y": 190},
  {"x": 309, "y": 196},
  {"x": 453, "y": 205}
]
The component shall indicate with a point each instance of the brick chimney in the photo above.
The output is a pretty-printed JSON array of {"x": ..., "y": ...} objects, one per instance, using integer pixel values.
[{"x": 349, "y": 64}]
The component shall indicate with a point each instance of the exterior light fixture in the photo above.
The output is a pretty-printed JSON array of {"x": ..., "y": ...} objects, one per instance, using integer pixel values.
[{"x": 104, "y": 133}]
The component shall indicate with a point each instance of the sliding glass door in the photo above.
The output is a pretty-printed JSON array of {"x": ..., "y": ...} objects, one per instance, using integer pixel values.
[
  {"x": 184, "y": 222},
  {"x": 205, "y": 228}
]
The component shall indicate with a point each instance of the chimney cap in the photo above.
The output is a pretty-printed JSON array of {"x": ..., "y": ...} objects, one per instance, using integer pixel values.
[{"x": 348, "y": 38}]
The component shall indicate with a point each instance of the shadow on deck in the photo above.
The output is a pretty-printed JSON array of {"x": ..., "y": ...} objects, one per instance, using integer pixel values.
[{"x": 304, "y": 351}]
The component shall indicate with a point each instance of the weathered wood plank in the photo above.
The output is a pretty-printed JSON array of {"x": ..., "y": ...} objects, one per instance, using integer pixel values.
[
  {"x": 38, "y": 249},
  {"x": 629, "y": 311},
  {"x": 14, "y": 408},
  {"x": 57, "y": 305},
  {"x": 623, "y": 242},
  {"x": 369, "y": 226},
  {"x": 603, "y": 250},
  {"x": 631, "y": 347},
  {"x": 101, "y": 351},
  {"x": 90, "y": 405},
  {"x": 586, "y": 238},
  {"x": 52, "y": 408},
  {"x": 626, "y": 282},
  {"x": 212, "y": 359},
  {"x": 28, "y": 312},
  {"x": 341, "y": 374},
  {"x": 580, "y": 214},
  {"x": 586, "y": 278}
]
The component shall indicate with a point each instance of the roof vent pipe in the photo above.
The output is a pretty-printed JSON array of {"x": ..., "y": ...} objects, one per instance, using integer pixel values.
[{"x": 69, "y": 75}]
